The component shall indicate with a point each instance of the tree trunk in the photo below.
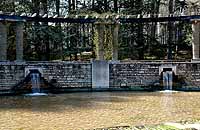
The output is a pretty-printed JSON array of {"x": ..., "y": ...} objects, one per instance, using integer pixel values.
[
  {"x": 106, "y": 5},
  {"x": 155, "y": 6},
  {"x": 44, "y": 6},
  {"x": 170, "y": 30},
  {"x": 46, "y": 55},
  {"x": 70, "y": 5},
  {"x": 36, "y": 5},
  {"x": 141, "y": 41},
  {"x": 115, "y": 6},
  {"x": 58, "y": 7},
  {"x": 59, "y": 27},
  {"x": 93, "y": 4},
  {"x": 140, "y": 35},
  {"x": 73, "y": 5},
  {"x": 12, "y": 6}
]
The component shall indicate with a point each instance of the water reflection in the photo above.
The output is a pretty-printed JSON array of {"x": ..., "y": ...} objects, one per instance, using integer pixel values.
[
  {"x": 96, "y": 110},
  {"x": 167, "y": 104}
]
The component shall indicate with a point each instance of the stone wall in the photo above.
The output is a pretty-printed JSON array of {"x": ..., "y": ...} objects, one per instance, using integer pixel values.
[
  {"x": 121, "y": 74},
  {"x": 66, "y": 74},
  {"x": 190, "y": 75},
  {"x": 148, "y": 74},
  {"x": 10, "y": 74},
  {"x": 133, "y": 74}
]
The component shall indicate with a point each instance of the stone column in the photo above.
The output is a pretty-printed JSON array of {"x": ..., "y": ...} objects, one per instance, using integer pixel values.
[
  {"x": 100, "y": 74},
  {"x": 101, "y": 38},
  {"x": 115, "y": 42},
  {"x": 196, "y": 40},
  {"x": 19, "y": 41},
  {"x": 3, "y": 42}
]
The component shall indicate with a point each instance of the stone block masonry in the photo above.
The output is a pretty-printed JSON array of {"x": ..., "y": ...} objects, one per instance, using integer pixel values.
[
  {"x": 133, "y": 74},
  {"x": 69, "y": 74},
  {"x": 65, "y": 74},
  {"x": 120, "y": 74},
  {"x": 140, "y": 74}
]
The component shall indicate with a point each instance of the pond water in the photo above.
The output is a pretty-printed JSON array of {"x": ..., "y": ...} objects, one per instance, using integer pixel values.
[{"x": 96, "y": 110}]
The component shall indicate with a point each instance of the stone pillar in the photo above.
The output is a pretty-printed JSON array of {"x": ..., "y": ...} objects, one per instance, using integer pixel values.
[
  {"x": 196, "y": 40},
  {"x": 19, "y": 41},
  {"x": 115, "y": 42},
  {"x": 100, "y": 74},
  {"x": 3, "y": 42},
  {"x": 101, "y": 38}
]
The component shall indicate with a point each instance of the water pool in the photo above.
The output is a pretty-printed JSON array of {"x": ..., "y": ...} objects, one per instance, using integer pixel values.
[{"x": 96, "y": 110}]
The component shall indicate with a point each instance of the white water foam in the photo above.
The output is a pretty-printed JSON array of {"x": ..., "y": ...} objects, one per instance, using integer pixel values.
[
  {"x": 36, "y": 94},
  {"x": 168, "y": 91}
]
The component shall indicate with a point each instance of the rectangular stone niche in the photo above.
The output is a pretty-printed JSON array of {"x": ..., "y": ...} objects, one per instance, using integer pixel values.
[
  {"x": 167, "y": 68},
  {"x": 27, "y": 70}
]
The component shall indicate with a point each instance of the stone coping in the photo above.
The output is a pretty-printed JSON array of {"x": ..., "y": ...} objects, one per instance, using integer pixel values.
[
  {"x": 90, "y": 62},
  {"x": 42, "y": 62},
  {"x": 153, "y": 62}
]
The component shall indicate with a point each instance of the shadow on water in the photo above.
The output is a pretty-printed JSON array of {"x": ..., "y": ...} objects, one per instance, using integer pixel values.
[
  {"x": 97, "y": 100},
  {"x": 61, "y": 101}
]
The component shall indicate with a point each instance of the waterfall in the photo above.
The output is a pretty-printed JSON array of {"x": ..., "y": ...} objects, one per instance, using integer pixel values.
[
  {"x": 35, "y": 81},
  {"x": 167, "y": 80}
]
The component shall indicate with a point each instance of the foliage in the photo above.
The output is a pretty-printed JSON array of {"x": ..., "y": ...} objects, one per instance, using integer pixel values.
[{"x": 47, "y": 41}]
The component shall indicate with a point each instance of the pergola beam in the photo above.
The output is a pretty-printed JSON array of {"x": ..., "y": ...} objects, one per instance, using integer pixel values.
[{"x": 122, "y": 19}]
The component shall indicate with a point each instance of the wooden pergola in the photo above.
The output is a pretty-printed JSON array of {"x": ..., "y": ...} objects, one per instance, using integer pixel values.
[{"x": 98, "y": 21}]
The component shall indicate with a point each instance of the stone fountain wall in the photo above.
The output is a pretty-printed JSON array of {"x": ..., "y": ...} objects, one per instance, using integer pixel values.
[
  {"x": 133, "y": 74},
  {"x": 121, "y": 74},
  {"x": 144, "y": 74},
  {"x": 10, "y": 74},
  {"x": 63, "y": 73}
]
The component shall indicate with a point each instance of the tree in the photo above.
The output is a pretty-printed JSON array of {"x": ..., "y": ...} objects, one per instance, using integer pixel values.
[
  {"x": 170, "y": 30},
  {"x": 135, "y": 38},
  {"x": 115, "y": 6}
]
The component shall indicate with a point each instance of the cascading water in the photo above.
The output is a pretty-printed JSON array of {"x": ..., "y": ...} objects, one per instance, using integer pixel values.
[
  {"x": 167, "y": 80},
  {"x": 35, "y": 82}
]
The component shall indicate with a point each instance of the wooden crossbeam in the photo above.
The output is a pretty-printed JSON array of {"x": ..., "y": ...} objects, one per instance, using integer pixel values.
[{"x": 5, "y": 17}]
